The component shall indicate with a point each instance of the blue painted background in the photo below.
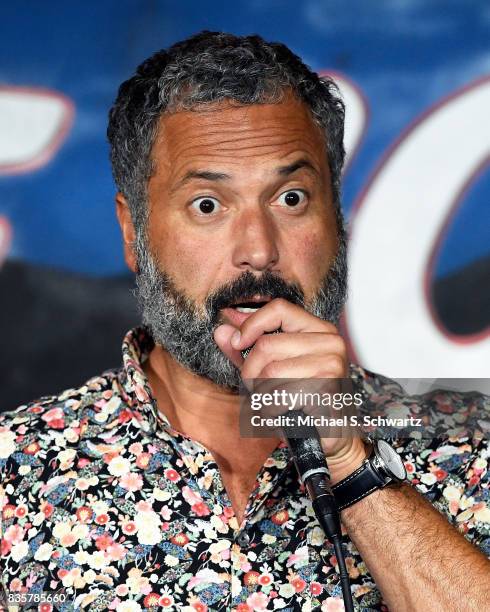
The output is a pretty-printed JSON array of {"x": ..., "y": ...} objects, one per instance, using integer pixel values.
[{"x": 405, "y": 55}]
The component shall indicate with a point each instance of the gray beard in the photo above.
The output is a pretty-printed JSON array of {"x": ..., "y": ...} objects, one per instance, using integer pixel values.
[{"x": 186, "y": 332}]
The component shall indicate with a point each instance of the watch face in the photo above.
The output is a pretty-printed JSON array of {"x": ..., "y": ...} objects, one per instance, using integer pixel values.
[{"x": 392, "y": 460}]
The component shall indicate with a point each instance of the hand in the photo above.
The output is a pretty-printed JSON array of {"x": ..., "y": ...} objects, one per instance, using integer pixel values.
[{"x": 308, "y": 348}]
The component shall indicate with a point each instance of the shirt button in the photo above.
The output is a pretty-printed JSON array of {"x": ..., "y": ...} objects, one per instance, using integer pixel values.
[{"x": 243, "y": 539}]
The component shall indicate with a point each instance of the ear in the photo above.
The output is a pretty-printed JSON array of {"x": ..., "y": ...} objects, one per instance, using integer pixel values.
[{"x": 127, "y": 230}]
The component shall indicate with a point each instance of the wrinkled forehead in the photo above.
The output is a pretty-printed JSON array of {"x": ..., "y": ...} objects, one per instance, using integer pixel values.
[{"x": 229, "y": 133}]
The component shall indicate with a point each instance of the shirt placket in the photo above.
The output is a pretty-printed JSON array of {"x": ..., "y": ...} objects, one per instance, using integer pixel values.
[
  {"x": 199, "y": 465},
  {"x": 268, "y": 480}
]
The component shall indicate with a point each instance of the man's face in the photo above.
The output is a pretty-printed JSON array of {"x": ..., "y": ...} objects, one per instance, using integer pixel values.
[{"x": 240, "y": 209}]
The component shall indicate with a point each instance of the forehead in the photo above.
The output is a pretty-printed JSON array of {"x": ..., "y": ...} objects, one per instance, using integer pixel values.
[{"x": 230, "y": 134}]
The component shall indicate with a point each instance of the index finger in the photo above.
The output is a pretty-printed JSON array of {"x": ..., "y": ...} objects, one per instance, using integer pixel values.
[{"x": 279, "y": 314}]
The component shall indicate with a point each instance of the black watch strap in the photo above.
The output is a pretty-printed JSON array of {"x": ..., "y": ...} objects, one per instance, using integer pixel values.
[{"x": 357, "y": 485}]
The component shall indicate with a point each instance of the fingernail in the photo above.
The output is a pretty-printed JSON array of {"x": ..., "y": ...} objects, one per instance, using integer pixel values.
[{"x": 235, "y": 339}]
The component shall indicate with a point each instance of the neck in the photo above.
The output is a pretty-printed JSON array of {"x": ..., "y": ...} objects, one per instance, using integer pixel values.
[
  {"x": 195, "y": 406},
  {"x": 185, "y": 398},
  {"x": 208, "y": 414}
]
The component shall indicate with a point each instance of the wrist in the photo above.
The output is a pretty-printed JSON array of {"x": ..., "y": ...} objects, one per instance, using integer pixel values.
[{"x": 346, "y": 461}]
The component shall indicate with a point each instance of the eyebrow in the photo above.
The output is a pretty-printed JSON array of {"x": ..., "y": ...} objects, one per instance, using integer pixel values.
[
  {"x": 297, "y": 165},
  {"x": 208, "y": 175}
]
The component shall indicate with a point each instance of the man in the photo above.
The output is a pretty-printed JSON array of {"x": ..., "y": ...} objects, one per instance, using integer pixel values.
[{"x": 137, "y": 491}]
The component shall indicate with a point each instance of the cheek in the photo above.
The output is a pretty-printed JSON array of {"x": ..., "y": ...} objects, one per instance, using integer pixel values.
[
  {"x": 311, "y": 258},
  {"x": 191, "y": 262},
  {"x": 315, "y": 251}
]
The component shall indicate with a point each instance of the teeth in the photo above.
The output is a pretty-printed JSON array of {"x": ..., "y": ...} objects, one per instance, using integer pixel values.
[{"x": 246, "y": 309}]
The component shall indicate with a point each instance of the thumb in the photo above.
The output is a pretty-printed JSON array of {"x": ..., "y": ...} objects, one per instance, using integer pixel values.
[{"x": 222, "y": 337}]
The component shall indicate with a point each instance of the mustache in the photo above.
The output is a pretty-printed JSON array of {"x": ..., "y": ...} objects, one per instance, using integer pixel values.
[{"x": 247, "y": 285}]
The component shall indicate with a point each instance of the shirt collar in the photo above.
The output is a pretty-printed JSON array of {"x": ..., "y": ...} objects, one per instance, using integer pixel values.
[{"x": 136, "y": 348}]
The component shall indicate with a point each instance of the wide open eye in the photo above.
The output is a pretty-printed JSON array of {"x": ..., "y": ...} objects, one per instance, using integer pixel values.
[
  {"x": 292, "y": 198},
  {"x": 206, "y": 205}
]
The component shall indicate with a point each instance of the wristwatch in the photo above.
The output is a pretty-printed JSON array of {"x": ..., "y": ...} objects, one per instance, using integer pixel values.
[{"x": 383, "y": 466}]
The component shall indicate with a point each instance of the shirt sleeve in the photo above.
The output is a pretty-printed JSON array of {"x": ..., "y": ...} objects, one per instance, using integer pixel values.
[{"x": 454, "y": 475}]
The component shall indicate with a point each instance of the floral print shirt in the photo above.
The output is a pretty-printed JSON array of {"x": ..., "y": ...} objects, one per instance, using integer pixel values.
[{"x": 105, "y": 505}]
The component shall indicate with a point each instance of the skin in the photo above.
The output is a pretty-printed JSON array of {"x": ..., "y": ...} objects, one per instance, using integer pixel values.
[{"x": 252, "y": 229}]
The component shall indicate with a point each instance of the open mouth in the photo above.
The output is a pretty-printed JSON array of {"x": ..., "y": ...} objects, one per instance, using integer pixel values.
[{"x": 250, "y": 305}]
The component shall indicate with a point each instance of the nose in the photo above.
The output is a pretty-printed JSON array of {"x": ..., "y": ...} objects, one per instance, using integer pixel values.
[{"x": 255, "y": 241}]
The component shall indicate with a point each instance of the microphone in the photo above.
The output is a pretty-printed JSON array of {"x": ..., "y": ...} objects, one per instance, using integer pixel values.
[{"x": 311, "y": 465}]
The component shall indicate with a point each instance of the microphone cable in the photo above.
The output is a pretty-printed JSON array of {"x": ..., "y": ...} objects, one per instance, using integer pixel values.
[{"x": 311, "y": 465}]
